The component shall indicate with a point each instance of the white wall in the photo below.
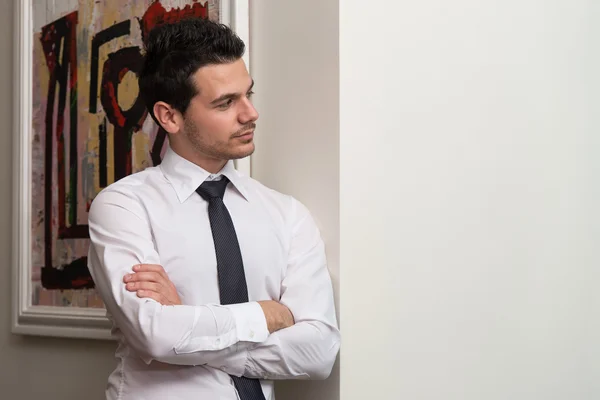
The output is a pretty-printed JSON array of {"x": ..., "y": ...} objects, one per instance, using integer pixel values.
[
  {"x": 469, "y": 197},
  {"x": 294, "y": 62}
]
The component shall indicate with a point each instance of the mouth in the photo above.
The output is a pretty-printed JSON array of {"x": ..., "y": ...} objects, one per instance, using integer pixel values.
[{"x": 246, "y": 135}]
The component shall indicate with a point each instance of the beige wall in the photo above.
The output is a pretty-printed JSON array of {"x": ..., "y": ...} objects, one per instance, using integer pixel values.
[
  {"x": 30, "y": 367},
  {"x": 294, "y": 62}
]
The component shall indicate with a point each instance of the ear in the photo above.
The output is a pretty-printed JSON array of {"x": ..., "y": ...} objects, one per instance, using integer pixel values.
[{"x": 170, "y": 119}]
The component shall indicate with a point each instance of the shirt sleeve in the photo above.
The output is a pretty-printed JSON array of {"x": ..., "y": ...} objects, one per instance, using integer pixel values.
[
  {"x": 308, "y": 349},
  {"x": 121, "y": 237}
]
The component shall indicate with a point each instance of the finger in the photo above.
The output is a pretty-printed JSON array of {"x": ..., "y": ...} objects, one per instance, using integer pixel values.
[
  {"x": 148, "y": 268},
  {"x": 134, "y": 286},
  {"x": 144, "y": 276},
  {"x": 151, "y": 268}
]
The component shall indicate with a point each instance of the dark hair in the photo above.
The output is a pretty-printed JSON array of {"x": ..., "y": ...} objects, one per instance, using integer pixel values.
[{"x": 175, "y": 51}]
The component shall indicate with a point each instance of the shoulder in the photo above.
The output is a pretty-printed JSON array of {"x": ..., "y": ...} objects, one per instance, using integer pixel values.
[
  {"x": 125, "y": 194},
  {"x": 289, "y": 208}
]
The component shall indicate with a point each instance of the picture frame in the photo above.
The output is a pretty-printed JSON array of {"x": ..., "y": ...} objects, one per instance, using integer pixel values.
[{"x": 69, "y": 319}]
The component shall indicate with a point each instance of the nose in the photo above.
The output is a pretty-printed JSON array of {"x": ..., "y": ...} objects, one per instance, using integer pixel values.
[{"x": 248, "y": 113}]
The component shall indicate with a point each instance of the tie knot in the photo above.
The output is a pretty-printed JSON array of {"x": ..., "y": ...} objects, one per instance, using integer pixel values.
[{"x": 213, "y": 189}]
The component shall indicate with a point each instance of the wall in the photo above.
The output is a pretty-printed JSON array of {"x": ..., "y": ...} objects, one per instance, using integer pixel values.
[
  {"x": 294, "y": 62},
  {"x": 469, "y": 194},
  {"x": 33, "y": 367}
]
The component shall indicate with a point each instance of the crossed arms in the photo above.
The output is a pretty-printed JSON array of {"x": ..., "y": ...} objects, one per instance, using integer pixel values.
[{"x": 294, "y": 337}]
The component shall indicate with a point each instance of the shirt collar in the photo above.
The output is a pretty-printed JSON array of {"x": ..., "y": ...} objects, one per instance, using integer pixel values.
[{"x": 185, "y": 176}]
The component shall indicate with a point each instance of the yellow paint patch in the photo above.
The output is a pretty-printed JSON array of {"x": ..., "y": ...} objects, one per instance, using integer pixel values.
[{"x": 128, "y": 90}]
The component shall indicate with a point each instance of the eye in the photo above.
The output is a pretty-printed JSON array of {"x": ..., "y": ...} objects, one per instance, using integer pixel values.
[
  {"x": 226, "y": 105},
  {"x": 249, "y": 94}
]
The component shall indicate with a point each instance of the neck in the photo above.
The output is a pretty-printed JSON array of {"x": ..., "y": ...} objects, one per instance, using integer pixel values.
[{"x": 209, "y": 164}]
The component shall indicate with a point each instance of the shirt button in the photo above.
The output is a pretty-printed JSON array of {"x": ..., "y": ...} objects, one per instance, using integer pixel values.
[
  {"x": 251, "y": 334},
  {"x": 217, "y": 342}
]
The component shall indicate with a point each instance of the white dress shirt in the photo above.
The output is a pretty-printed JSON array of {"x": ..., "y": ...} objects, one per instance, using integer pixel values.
[{"x": 188, "y": 352}]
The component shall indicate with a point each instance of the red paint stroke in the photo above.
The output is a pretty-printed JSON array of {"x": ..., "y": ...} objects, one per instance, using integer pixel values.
[
  {"x": 51, "y": 43},
  {"x": 157, "y": 15}
]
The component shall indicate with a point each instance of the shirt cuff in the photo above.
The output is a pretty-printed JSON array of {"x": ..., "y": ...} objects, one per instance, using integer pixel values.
[{"x": 250, "y": 322}]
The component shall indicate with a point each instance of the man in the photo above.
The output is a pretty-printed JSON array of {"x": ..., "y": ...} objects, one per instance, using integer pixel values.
[{"x": 216, "y": 285}]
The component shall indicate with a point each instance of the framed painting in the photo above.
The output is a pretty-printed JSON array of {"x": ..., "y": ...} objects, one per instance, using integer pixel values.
[{"x": 80, "y": 126}]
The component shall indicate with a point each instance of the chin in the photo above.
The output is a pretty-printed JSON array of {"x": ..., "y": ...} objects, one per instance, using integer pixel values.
[{"x": 242, "y": 152}]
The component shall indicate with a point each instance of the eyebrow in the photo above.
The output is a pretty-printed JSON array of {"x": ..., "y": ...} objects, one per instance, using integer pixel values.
[{"x": 228, "y": 96}]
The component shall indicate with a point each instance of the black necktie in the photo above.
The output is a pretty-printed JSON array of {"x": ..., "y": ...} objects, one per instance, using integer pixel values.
[{"x": 230, "y": 267}]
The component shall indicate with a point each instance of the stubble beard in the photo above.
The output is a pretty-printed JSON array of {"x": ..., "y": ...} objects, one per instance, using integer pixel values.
[{"x": 218, "y": 151}]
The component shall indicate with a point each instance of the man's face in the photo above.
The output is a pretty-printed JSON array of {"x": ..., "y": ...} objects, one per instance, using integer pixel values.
[{"x": 220, "y": 120}]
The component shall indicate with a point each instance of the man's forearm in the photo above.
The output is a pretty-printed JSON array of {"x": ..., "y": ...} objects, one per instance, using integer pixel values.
[
  {"x": 187, "y": 335},
  {"x": 306, "y": 350}
]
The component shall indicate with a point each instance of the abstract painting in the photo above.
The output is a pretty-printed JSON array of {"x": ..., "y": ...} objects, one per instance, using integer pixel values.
[{"x": 88, "y": 127}]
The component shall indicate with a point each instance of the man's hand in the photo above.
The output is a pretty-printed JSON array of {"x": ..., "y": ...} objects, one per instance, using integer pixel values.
[
  {"x": 278, "y": 316},
  {"x": 151, "y": 281}
]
